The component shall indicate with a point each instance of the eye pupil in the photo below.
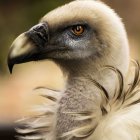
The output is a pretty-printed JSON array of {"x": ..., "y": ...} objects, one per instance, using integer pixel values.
[{"x": 78, "y": 30}]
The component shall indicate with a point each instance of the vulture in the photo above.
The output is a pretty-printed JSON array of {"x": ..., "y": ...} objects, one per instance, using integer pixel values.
[{"x": 101, "y": 98}]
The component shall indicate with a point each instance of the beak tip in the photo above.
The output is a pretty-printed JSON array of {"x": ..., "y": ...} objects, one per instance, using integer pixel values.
[{"x": 10, "y": 68}]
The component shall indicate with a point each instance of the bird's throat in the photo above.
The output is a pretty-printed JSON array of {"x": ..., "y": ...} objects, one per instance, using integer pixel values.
[{"x": 81, "y": 95}]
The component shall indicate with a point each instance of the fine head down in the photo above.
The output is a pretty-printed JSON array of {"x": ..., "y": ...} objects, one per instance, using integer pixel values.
[{"x": 82, "y": 31}]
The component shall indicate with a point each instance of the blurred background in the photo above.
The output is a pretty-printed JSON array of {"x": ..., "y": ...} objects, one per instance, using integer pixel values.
[{"x": 16, "y": 94}]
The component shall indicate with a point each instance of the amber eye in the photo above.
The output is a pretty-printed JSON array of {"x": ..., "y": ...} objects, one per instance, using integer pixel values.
[{"x": 78, "y": 30}]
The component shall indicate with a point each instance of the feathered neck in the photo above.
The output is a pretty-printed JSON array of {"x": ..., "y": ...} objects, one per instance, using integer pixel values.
[{"x": 89, "y": 116}]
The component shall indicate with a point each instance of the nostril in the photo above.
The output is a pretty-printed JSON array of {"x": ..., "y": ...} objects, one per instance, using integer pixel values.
[
  {"x": 41, "y": 30},
  {"x": 39, "y": 34},
  {"x": 43, "y": 36}
]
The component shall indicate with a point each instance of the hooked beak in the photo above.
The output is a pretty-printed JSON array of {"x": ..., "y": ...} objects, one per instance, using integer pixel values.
[{"x": 28, "y": 45}]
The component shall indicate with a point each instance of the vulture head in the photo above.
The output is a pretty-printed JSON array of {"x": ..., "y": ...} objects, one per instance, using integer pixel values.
[{"x": 81, "y": 35}]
